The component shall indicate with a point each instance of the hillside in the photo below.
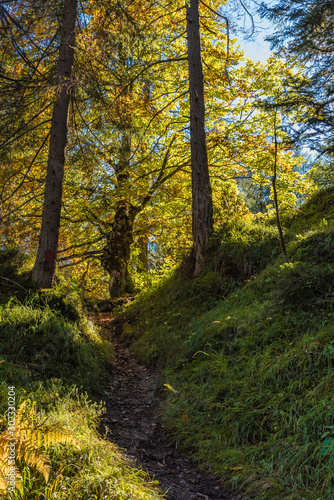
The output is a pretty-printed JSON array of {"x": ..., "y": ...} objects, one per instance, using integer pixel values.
[
  {"x": 247, "y": 353},
  {"x": 54, "y": 360}
]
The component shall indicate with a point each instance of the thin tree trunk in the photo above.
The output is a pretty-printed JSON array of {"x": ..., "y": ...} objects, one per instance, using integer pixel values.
[
  {"x": 202, "y": 210},
  {"x": 45, "y": 264},
  {"x": 278, "y": 220},
  {"x": 143, "y": 253}
]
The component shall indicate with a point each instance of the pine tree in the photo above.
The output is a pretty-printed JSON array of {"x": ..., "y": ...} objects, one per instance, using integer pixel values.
[
  {"x": 45, "y": 264},
  {"x": 304, "y": 33}
]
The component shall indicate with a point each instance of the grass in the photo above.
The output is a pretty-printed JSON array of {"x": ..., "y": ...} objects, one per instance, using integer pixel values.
[
  {"x": 248, "y": 353},
  {"x": 57, "y": 361}
]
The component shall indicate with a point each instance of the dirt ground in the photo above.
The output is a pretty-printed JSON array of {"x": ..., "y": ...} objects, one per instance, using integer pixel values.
[{"x": 133, "y": 401}]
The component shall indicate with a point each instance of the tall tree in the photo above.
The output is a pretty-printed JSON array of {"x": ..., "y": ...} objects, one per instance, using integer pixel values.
[
  {"x": 202, "y": 208},
  {"x": 134, "y": 145},
  {"x": 304, "y": 32},
  {"x": 45, "y": 264}
]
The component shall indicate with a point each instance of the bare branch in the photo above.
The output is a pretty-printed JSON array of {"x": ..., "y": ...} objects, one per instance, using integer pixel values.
[
  {"x": 28, "y": 169},
  {"x": 18, "y": 284}
]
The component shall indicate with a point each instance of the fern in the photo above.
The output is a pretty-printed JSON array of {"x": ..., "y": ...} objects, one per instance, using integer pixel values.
[{"x": 31, "y": 442}]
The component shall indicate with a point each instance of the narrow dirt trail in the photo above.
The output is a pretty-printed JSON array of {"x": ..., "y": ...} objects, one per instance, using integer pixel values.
[{"x": 132, "y": 418}]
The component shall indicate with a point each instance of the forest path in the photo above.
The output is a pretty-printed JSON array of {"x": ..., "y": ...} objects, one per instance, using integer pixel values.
[{"x": 132, "y": 417}]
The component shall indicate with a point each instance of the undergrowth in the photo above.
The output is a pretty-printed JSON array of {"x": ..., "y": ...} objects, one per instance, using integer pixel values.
[
  {"x": 57, "y": 360},
  {"x": 248, "y": 355}
]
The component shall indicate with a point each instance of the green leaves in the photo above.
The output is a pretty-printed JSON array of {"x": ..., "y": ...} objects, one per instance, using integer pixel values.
[{"x": 327, "y": 441}]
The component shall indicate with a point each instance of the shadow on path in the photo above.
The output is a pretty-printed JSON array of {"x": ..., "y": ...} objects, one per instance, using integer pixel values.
[{"x": 132, "y": 418}]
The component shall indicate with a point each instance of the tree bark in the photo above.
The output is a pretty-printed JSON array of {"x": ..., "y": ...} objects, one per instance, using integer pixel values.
[
  {"x": 116, "y": 253},
  {"x": 202, "y": 209},
  {"x": 143, "y": 253},
  {"x": 45, "y": 265}
]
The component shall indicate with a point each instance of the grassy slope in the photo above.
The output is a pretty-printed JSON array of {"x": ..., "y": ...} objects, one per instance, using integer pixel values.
[
  {"x": 57, "y": 360},
  {"x": 249, "y": 348}
]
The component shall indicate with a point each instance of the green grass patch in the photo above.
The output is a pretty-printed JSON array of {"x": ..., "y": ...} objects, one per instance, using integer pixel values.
[{"x": 43, "y": 344}]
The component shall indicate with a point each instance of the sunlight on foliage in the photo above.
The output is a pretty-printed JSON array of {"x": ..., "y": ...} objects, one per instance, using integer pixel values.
[{"x": 31, "y": 438}]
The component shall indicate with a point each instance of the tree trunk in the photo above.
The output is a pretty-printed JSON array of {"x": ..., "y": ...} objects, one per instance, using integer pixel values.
[
  {"x": 45, "y": 264},
  {"x": 143, "y": 253},
  {"x": 202, "y": 210},
  {"x": 116, "y": 253}
]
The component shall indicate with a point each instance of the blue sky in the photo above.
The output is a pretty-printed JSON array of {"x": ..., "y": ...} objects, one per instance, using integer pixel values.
[{"x": 257, "y": 48}]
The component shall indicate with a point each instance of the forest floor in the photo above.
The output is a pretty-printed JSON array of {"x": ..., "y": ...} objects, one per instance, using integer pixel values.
[{"x": 133, "y": 402}]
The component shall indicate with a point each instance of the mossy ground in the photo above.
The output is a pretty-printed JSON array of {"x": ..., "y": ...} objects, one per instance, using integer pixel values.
[
  {"x": 57, "y": 361},
  {"x": 247, "y": 350}
]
